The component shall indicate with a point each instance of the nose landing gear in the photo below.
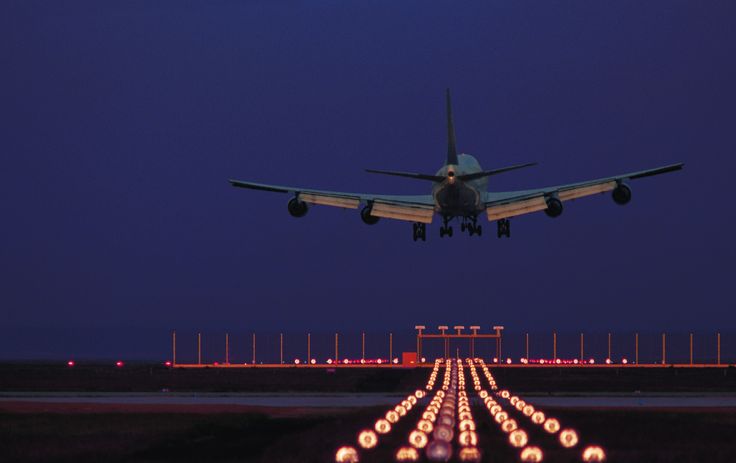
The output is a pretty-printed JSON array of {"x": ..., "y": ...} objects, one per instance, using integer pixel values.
[
  {"x": 420, "y": 231},
  {"x": 470, "y": 225},
  {"x": 446, "y": 229}
]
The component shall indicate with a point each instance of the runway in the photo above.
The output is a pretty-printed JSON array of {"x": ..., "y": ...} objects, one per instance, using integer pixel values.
[{"x": 348, "y": 400}]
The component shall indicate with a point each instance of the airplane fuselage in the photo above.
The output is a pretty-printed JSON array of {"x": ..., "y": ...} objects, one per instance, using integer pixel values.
[{"x": 455, "y": 198}]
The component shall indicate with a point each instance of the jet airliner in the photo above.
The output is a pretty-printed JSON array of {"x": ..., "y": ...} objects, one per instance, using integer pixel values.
[{"x": 459, "y": 192}]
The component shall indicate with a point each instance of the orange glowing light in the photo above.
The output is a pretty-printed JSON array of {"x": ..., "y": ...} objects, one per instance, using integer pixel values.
[
  {"x": 406, "y": 404},
  {"x": 538, "y": 417},
  {"x": 530, "y": 453},
  {"x": 392, "y": 416},
  {"x": 468, "y": 439},
  {"x": 418, "y": 439},
  {"x": 501, "y": 417},
  {"x": 346, "y": 455},
  {"x": 367, "y": 439},
  {"x": 594, "y": 453},
  {"x": 513, "y": 400},
  {"x": 528, "y": 410},
  {"x": 467, "y": 425},
  {"x": 518, "y": 438},
  {"x": 551, "y": 425},
  {"x": 428, "y": 415},
  {"x": 400, "y": 409},
  {"x": 419, "y": 394},
  {"x": 382, "y": 426},
  {"x": 471, "y": 454},
  {"x": 568, "y": 438},
  {"x": 509, "y": 425},
  {"x": 425, "y": 426},
  {"x": 495, "y": 409},
  {"x": 505, "y": 394},
  {"x": 407, "y": 454}
]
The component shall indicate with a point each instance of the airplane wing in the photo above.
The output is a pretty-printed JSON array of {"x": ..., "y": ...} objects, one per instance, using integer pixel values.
[
  {"x": 502, "y": 205},
  {"x": 419, "y": 208}
]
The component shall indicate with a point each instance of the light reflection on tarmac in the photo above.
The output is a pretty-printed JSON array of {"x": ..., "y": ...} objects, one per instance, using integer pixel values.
[{"x": 364, "y": 400}]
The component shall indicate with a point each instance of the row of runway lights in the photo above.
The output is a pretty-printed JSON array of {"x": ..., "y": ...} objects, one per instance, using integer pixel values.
[
  {"x": 395, "y": 361},
  {"x": 451, "y": 400},
  {"x": 568, "y": 438}
]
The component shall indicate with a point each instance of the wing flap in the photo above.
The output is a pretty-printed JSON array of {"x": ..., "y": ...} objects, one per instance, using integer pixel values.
[
  {"x": 579, "y": 192},
  {"x": 327, "y": 200},
  {"x": 526, "y": 206},
  {"x": 402, "y": 212}
]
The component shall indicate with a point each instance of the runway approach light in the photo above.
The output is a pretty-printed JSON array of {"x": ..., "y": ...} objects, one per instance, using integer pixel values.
[
  {"x": 439, "y": 450},
  {"x": 568, "y": 438},
  {"x": 531, "y": 454},
  {"x": 469, "y": 454},
  {"x": 329, "y": 361},
  {"x": 346, "y": 455},
  {"x": 407, "y": 454},
  {"x": 608, "y": 361},
  {"x": 297, "y": 361},
  {"x": 594, "y": 453},
  {"x": 624, "y": 361},
  {"x": 396, "y": 360},
  {"x": 119, "y": 364},
  {"x": 368, "y": 439},
  {"x": 313, "y": 361}
]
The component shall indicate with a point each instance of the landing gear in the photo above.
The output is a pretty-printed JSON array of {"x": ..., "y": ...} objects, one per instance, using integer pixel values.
[
  {"x": 446, "y": 229},
  {"x": 471, "y": 226},
  {"x": 504, "y": 228},
  {"x": 420, "y": 231}
]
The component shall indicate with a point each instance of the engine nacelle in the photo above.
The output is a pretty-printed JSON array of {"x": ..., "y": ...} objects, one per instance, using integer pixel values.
[
  {"x": 621, "y": 194},
  {"x": 554, "y": 207},
  {"x": 368, "y": 219},
  {"x": 297, "y": 208}
]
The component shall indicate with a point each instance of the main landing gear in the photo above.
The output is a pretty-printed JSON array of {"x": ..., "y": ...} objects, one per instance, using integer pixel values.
[
  {"x": 471, "y": 226},
  {"x": 446, "y": 229},
  {"x": 420, "y": 231},
  {"x": 504, "y": 228}
]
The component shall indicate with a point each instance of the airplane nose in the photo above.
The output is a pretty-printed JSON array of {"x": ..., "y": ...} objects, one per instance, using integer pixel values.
[{"x": 451, "y": 177}]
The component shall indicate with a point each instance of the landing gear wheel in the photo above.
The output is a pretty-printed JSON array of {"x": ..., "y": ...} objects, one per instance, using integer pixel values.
[
  {"x": 420, "y": 231},
  {"x": 504, "y": 228}
]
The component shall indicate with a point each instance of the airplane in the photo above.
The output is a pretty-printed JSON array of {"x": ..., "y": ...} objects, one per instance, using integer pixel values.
[{"x": 459, "y": 191}]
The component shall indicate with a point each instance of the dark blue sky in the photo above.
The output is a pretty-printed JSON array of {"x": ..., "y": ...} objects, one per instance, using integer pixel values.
[{"x": 120, "y": 123}]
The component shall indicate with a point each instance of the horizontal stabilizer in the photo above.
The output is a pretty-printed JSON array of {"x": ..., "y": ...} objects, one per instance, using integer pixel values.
[
  {"x": 433, "y": 178},
  {"x": 488, "y": 173}
]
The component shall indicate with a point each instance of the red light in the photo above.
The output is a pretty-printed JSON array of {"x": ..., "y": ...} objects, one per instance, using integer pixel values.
[
  {"x": 168, "y": 363},
  {"x": 591, "y": 361},
  {"x": 70, "y": 363},
  {"x": 217, "y": 363},
  {"x": 119, "y": 364},
  {"x": 624, "y": 361}
]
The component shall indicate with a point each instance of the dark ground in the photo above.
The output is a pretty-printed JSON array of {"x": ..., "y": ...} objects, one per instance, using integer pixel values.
[
  {"x": 66, "y": 433},
  {"x": 152, "y": 378}
]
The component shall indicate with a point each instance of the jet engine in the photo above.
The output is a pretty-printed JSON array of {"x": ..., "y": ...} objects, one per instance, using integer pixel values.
[
  {"x": 554, "y": 207},
  {"x": 621, "y": 194},
  {"x": 297, "y": 208},
  {"x": 368, "y": 219}
]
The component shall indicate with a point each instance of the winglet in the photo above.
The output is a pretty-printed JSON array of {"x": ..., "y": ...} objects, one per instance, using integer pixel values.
[{"x": 451, "y": 149}]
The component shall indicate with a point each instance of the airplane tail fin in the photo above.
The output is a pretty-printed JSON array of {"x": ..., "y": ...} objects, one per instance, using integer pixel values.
[{"x": 451, "y": 148}]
